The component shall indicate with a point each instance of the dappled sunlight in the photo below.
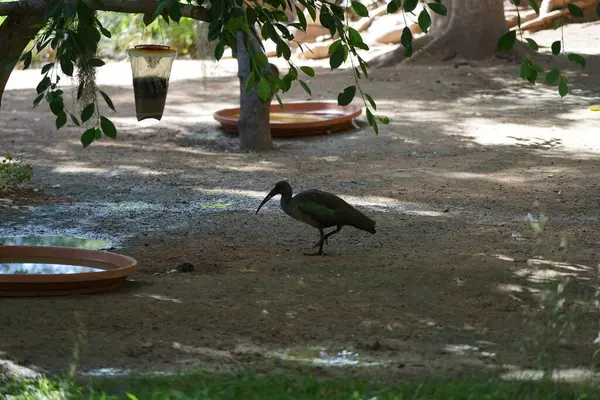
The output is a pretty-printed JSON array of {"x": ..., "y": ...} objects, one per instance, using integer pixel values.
[
  {"x": 515, "y": 288},
  {"x": 492, "y": 177},
  {"x": 382, "y": 204},
  {"x": 158, "y": 297},
  {"x": 11, "y": 369},
  {"x": 535, "y": 273},
  {"x": 468, "y": 350},
  {"x": 204, "y": 351},
  {"x": 573, "y": 138},
  {"x": 566, "y": 375},
  {"x": 79, "y": 168}
]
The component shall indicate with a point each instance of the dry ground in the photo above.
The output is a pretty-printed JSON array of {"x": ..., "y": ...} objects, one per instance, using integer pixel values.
[{"x": 469, "y": 150}]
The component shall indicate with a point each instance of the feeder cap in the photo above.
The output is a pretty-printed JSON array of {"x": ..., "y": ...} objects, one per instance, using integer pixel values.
[{"x": 156, "y": 50}]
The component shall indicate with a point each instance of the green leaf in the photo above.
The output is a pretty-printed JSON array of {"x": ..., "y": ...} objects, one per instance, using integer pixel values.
[
  {"x": 97, "y": 133},
  {"x": 305, "y": 87},
  {"x": 424, "y": 21},
  {"x": 532, "y": 43},
  {"x": 108, "y": 127},
  {"x": 507, "y": 41},
  {"x": 346, "y": 97},
  {"x": 61, "y": 120},
  {"x": 95, "y": 62},
  {"x": 354, "y": 38},
  {"x": 577, "y": 59},
  {"x": 235, "y": 24},
  {"x": 26, "y": 58},
  {"x": 47, "y": 67},
  {"x": 43, "y": 85},
  {"x": 38, "y": 99},
  {"x": 67, "y": 66},
  {"x": 556, "y": 47},
  {"x": 438, "y": 8},
  {"x": 552, "y": 76},
  {"x": 174, "y": 11},
  {"x": 392, "y": 7},
  {"x": 219, "y": 50},
  {"x": 260, "y": 59},
  {"x": 107, "y": 100},
  {"x": 263, "y": 90},
  {"x": 598, "y": 9},
  {"x": 406, "y": 38},
  {"x": 87, "y": 112},
  {"x": 285, "y": 83},
  {"x": 57, "y": 106},
  {"x": 360, "y": 9},
  {"x": 534, "y": 5},
  {"x": 105, "y": 32},
  {"x": 371, "y": 101},
  {"x": 301, "y": 18},
  {"x": 283, "y": 50},
  {"x": 410, "y": 5},
  {"x": 251, "y": 15},
  {"x": 575, "y": 10},
  {"x": 384, "y": 120},
  {"x": 372, "y": 121},
  {"x": 556, "y": 23},
  {"x": 338, "y": 56},
  {"x": 74, "y": 119},
  {"x": 80, "y": 90},
  {"x": 563, "y": 89},
  {"x": 280, "y": 102},
  {"x": 250, "y": 81},
  {"x": 149, "y": 18},
  {"x": 308, "y": 71},
  {"x": 528, "y": 71},
  {"x": 88, "y": 137}
]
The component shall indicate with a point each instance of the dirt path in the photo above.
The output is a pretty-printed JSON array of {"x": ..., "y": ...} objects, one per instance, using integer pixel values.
[{"x": 440, "y": 287}]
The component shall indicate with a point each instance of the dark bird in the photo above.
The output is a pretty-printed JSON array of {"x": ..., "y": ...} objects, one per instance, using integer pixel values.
[{"x": 319, "y": 209}]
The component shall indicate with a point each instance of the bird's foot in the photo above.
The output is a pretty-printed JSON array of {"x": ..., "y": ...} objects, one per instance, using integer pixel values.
[
  {"x": 318, "y": 253},
  {"x": 318, "y": 244}
]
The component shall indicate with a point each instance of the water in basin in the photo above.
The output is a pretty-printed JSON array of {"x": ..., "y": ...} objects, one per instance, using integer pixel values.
[{"x": 44, "y": 269}]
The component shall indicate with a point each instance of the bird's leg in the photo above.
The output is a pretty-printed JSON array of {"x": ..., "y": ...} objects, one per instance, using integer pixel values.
[
  {"x": 333, "y": 232},
  {"x": 339, "y": 228},
  {"x": 320, "y": 244}
]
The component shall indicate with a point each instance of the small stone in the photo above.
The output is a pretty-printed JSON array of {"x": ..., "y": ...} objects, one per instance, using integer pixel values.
[
  {"x": 56, "y": 186},
  {"x": 185, "y": 267}
]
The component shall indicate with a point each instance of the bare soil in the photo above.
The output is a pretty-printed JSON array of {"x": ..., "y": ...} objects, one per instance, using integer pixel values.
[{"x": 469, "y": 152}]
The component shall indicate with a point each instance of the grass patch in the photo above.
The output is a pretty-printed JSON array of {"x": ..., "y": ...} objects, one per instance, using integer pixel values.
[{"x": 275, "y": 386}]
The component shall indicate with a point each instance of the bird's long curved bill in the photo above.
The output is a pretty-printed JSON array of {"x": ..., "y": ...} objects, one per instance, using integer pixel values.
[{"x": 269, "y": 196}]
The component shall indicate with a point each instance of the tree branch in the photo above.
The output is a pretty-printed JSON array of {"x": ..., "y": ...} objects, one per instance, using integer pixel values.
[{"x": 37, "y": 7}]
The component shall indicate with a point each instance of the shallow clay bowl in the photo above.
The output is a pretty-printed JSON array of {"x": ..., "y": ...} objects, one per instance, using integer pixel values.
[
  {"x": 305, "y": 118},
  {"x": 115, "y": 268}
]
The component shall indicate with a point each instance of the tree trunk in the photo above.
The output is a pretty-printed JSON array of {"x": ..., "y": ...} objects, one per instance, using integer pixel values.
[
  {"x": 15, "y": 35},
  {"x": 254, "y": 122},
  {"x": 470, "y": 31}
]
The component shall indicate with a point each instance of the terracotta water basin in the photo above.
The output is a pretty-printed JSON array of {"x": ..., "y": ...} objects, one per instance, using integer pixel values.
[
  {"x": 53, "y": 271},
  {"x": 305, "y": 118}
]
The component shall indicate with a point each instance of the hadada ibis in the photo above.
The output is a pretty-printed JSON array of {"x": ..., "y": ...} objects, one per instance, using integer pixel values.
[{"x": 319, "y": 209}]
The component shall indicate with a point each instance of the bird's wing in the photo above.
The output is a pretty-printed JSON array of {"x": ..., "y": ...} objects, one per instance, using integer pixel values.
[{"x": 321, "y": 206}]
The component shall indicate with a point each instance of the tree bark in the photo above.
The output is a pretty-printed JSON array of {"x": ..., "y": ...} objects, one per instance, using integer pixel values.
[
  {"x": 36, "y": 7},
  {"x": 15, "y": 35},
  {"x": 470, "y": 31},
  {"x": 254, "y": 125}
]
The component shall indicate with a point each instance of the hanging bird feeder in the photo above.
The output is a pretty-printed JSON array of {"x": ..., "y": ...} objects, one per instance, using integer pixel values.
[{"x": 151, "y": 67}]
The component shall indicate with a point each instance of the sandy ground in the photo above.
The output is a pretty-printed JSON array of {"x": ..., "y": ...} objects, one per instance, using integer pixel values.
[{"x": 440, "y": 288}]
